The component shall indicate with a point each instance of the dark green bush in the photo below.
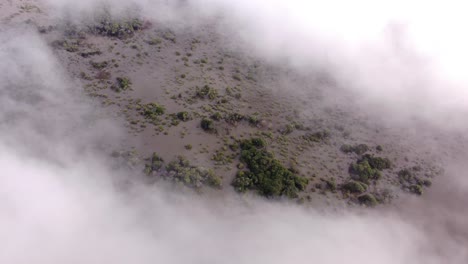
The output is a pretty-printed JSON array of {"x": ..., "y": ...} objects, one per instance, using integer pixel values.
[
  {"x": 409, "y": 181},
  {"x": 233, "y": 118},
  {"x": 184, "y": 116},
  {"x": 155, "y": 164},
  {"x": 123, "y": 83},
  {"x": 377, "y": 163},
  {"x": 266, "y": 174},
  {"x": 363, "y": 172},
  {"x": 416, "y": 189},
  {"x": 358, "y": 149},
  {"x": 118, "y": 29},
  {"x": 368, "y": 200},
  {"x": 151, "y": 111},
  {"x": 317, "y": 136},
  {"x": 217, "y": 116},
  {"x": 99, "y": 65},
  {"x": 354, "y": 187},
  {"x": 181, "y": 171},
  {"x": 330, "y": 184},
  {"x": 207, "y": 125},
  {"x": 206, "y": 92}
]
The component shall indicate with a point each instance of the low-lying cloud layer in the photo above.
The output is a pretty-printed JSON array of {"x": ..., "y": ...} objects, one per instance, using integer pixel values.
[{"x": 59, "y": 201}]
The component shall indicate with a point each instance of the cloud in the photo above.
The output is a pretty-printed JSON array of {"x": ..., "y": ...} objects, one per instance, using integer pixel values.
[{"x": 60, "y": 201}]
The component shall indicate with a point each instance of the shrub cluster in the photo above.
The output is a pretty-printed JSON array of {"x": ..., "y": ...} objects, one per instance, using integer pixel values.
[
  {"x": 368, "y": 168},
  {"x": 265, "y": 174},
  {"x": 411, "y": 182},
  {"x": 354, "y": 187},
  {"x": 154, "y": 165},
  {"x": 208, "y": 125},
  {"x": 368, "y": 200},
  {"x": 180, "y": 171},
  {"x": 184, "y": 116},
  {"x": 317, "y": 136},
  {"x": 123, "y": 83},
  {"x": 358, "y": 149},
  {"x": 206, "y": 92},
  {"x": 151, "y": 111},
  {"x": 118, "y": 29}
]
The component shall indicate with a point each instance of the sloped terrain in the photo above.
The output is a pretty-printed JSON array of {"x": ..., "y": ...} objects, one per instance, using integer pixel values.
[{"x": 195, "y": 106}]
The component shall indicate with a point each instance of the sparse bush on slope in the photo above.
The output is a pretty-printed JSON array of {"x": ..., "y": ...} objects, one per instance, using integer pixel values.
[{"x": 265, "y": 174}]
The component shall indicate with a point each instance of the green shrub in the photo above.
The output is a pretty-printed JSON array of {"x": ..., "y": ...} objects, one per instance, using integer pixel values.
[
  {"x": 152, "y": 111},
  {"x": 207, "y": 125},
  {"x": 184, "y": 116},
  {"x": 354, "y": 187},
  {"x": 155, "y": 164},
  {"x": 217, "y": 116},
  {"x": 118, "y": 29},
  {"x": 266, "y": 175},
  {"x": 233, "y": 118},
  {"x": 330, "y": 184},
  {"x": 363, "y": 172},
  {"x": 416, "y": 189},
  {"x": 368, "y": 200},
  {"x": 317, "y": 136},
  {"x": 181, "y": 171},
  {"x": 123, "y": 83},
  {"x": 288, "y": 129},
  {"x": 154, "y": 41},
  {"x": 206, "y": 92},
  {"x": 377, "y": 163},
  {"x": 358, "y": 149},
  {"x": 99, "y": 65}
]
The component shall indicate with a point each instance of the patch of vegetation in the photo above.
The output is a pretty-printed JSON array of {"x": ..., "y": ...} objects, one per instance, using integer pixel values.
[
  {"x": 154, "y": 41},
  {"x": 169, "y": 36},
  {"x": 412, "y": 183},
  {"x": 288, "y": 129},
  {"x": 377, "y": 162},
  {"x": 354, "y": 187},
  {"x": 358, "y": 149},
  {"x": 70, "y": 46},
  {"x": 221, "y": 158},
  {"x": 253, "y": 120},
  {"x": 180, "y": 171},
  {"x": 206, "y": 92},
  {"x": 123, "y": 83},
  {"x": 99, "y": 65},
  {"x": 233, "y": 118},
  {"x": 152, "y": 111},
  {"x": 416, "y": 189},
  {"x": 119, "y": 29},
  {"x": 154, "y": 165},
  {"x": 184, "y": 116},
  {"x": 208, "y": 125},
  {"x": 317, "y": 136},
  {"x": 330, "y": 184},
  {"x": 368, "y": 200},
  {"x": 86, "y": 54},
  {"x": 217, "y": 116},
  {"x": 266, "y": 174}
]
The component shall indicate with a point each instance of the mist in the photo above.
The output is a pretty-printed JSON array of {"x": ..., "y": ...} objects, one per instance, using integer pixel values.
[{"x": 61, "y": 198}]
